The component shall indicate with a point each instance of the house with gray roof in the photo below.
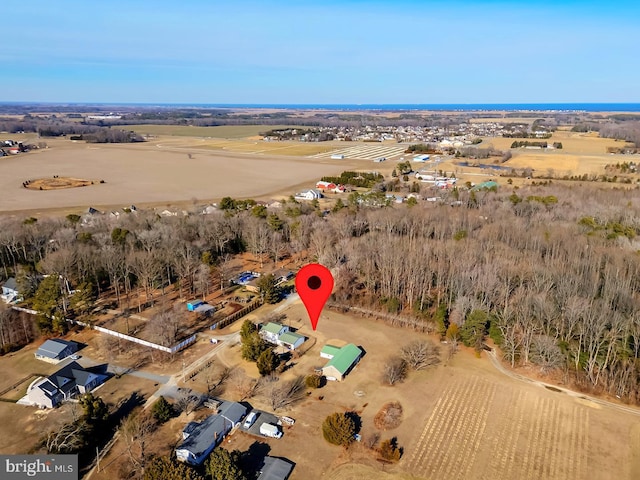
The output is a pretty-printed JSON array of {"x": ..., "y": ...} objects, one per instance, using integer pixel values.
[
  {"x": 55, "y": 350},
  {"x": 68, "y": 382},
  {"x": 10, "y": 292},
  {"x": 234, "y": 412},
  {"x": 275, "y": 469},
  {"x": 205, "y": 436}
]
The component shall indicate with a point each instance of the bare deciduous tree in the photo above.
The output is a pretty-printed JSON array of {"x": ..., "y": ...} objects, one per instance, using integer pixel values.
[
  {"x": 420, "y": 354},
  {"x": 281, "y": 394},
  {"x": 394, "y": 370},
  {"x": 67, "y": 439},
  {"x": 136, "y": 431},
  {"x": 188, "y": 400}
]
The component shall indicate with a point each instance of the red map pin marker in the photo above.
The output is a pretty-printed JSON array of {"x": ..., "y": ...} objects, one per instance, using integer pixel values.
[{"x": 314, "y": 284}]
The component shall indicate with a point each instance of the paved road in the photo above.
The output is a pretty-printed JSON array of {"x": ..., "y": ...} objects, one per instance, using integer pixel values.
[{"x": 616, "y": 406}]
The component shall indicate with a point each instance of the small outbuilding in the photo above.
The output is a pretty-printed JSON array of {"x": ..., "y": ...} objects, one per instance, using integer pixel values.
[
  {"x": 193, "y": 304},
  {"x": 275, "y": 469},
  {"x": 55, "y": 350},
  {"x": 291, "y": 340}
]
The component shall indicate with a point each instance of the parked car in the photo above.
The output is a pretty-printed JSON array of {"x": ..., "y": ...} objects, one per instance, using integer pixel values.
[{"x": 251, "y": 418}]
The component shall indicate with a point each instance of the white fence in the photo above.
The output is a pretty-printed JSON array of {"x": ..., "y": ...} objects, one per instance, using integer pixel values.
[{"x": 176, "y": 348}]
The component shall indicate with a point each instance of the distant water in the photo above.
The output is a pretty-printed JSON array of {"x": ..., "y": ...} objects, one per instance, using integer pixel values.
[
  {"x": 475, "y": 107},
  {"x": 462, "y": 107}
]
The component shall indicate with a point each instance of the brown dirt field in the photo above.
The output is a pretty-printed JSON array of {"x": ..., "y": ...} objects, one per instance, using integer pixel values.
[
  {"x": 22, "y": 427},
  {"x": 151, "y": 173},
  {"x": 58, "y": 183},
  {"x": 462, "y": 419}
]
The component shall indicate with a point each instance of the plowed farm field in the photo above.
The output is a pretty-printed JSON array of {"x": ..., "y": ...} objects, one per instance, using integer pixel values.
[{"x": 480, "y": 424}]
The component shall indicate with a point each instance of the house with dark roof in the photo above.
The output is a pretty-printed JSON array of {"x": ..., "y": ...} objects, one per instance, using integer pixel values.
[
  {"x": 10, "y": 292},
  {"x": 55, "y": 350},
  {"x": 342, "y": 361},
  {"x": 66, "y": 383},
  {"x": 202, "y": 438},
  {"x": 275, "y": 469}
]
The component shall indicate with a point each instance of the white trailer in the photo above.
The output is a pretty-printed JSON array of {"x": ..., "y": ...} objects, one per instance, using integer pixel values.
[{"x": 269, "y": 430}]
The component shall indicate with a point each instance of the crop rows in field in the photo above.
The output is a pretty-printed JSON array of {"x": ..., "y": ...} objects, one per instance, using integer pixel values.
[
  {"x": 365, "y": 152},
  {"x": 475, "y": 431},
  {"x": 451, "y": 438},
  {"x": 541, "y": 437}
]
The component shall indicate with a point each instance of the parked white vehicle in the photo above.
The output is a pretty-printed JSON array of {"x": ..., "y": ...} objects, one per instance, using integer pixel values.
[
  {"x": 269, "y": 430},
  {"x": 249, "y": 420}
]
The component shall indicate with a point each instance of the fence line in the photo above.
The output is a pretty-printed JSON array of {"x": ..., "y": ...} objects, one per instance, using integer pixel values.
[{"x": 235, "y": 316}]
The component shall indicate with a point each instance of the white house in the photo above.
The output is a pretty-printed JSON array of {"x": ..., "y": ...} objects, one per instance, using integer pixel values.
[
  {"x": 308, "y": 195},
  {"x": 66, "y": 383},
  {"x": 272, "y": 331},
  {"x": 281, "y": 335},
  {"x": 291, "y": 340},
  {"x": 10, "y": 292}
]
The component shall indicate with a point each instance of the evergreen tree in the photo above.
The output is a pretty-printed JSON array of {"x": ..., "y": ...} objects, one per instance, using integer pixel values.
[
  {"x": 267, "y": 362},
  {"x": 338, "y": 429},
  {"x": 474, "y": 329},
  {"x": 248, "y": 328},
  {"x": 162, "y": 410},
  {"x": 267, "y": 287},
  {"x": 253, "y": 347},
  {"x": 163, "y": 468},
  {"x": 224, "y": 465}
]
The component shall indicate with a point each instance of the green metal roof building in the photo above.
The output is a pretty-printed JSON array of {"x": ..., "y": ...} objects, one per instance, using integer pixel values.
[
  {"x": 291, "y": 340},
  {"x": 342, "y": 362}
]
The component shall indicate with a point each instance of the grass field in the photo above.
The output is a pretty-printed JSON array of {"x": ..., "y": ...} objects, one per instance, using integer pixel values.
[{"x": 224, "y": 131}]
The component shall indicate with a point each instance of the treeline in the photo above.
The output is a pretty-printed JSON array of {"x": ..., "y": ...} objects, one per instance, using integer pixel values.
[
  {"x": 526, "y": 135},
  {"x": 628, "y": 131},
  {"x": 16, "y": 329},
  {"x": 525, "y": 143},
  {"x": 58, "y": 127},
  {"x": 422, "y": 148},
  {"x": 552, "y": 274},
  {"x": 355, "y": 179}
]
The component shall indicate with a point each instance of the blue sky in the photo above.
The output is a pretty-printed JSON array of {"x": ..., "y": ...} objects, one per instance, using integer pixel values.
[{"x": 350, "y": 51}]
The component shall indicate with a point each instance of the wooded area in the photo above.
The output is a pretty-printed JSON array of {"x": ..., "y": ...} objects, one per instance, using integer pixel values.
[{"x": 554, "y": 283}]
